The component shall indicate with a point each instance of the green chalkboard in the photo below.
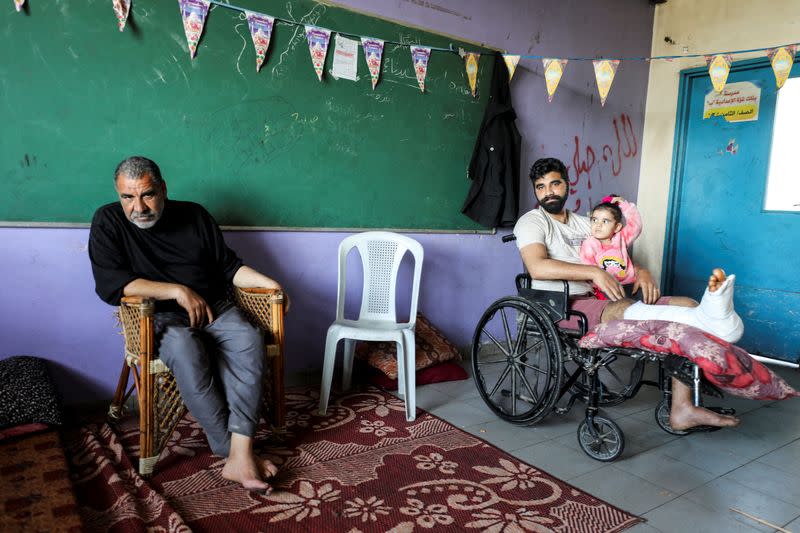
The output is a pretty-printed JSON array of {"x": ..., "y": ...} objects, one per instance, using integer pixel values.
[{"x": 271, "y": 149}]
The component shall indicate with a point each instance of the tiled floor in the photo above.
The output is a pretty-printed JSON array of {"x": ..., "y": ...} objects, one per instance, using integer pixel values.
[{"x": 678, "y": 484}]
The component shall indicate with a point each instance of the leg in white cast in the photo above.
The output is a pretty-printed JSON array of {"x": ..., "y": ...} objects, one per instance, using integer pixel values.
[{"x": 715, "y": 314}]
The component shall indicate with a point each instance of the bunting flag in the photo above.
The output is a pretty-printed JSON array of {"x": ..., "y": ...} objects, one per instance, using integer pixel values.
[
  {"x": 121, "y": 9},
  {"x": 318, "y": 39},
  {"x": 511, "y": 64},
  {"x": 782, "y": 59},
  {"x": 553, "y": 70},
  {"x": 194, "y": 13},
  {"x": 420, "y": 56},
  {"x": 718, "y": 68},
  {"x": 604, "y": 72},
  {"x": 472, "y": 59},
  {"x": 373, "y": 53},
  {"x": 261, "y": 31}
]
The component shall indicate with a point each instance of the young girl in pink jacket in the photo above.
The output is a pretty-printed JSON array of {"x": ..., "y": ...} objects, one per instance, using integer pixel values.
[{"x": 615, "y": 225}]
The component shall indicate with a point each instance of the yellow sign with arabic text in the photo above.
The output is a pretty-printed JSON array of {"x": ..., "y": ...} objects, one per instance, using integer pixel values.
[{"x": 738, "y": 102}]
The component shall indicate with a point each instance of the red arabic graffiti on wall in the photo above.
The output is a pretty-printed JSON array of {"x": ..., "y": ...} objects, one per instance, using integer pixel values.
[{"x": 586, "y": 162}]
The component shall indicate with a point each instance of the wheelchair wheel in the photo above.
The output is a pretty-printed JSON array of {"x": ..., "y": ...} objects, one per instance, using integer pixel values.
[
  {"x": 602, "y": 440},
  {"x": 614, "y": 385},
  {"x": 517, "y": 361},
  {"x": 662, "y": 418}
]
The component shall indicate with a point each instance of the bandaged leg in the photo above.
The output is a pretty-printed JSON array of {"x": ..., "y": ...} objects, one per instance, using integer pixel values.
[{"x": 715, "y": 314}]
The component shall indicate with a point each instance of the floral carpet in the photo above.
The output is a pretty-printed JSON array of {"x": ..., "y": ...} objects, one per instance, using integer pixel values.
[{"x": 360, "y": 468}]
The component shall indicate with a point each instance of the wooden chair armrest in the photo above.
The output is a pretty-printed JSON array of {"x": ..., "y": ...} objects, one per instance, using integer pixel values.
[
  {"x": 276, "y": 294},
  {"x": 264, "y": 306},
  {"x": 137, "y": 300}
]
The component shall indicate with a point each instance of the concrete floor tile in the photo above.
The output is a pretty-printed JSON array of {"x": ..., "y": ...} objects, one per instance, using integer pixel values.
[
  {"x": 703, "y": 454},
  {"x": 643, "y": 528},
  {"x": 682, "y": 515},
  {"x": 506, "y": 435},
  {"x": 722, "y": 494},
  {"x": 794, "y": 525},
  {"x": 786, "y": 458},
  {"x": 558, "y": 460},
  {"x": 464, "y": 413},
  {"x": 626, "y": 491},
  {"x": 673, "y": 475},
  {"x": 776, "y": 482}
]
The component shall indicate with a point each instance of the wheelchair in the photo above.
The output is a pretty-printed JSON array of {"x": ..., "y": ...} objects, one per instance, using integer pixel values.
[{"x": 524, "y": 364}]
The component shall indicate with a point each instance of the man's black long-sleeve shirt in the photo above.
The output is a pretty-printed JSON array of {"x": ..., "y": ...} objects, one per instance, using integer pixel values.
[{"x": 185, "y": 246}]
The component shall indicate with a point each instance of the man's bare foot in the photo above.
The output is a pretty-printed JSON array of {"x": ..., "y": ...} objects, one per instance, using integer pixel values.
[
  {"x": 242, "y": 465},
  {"x": 686, "y": 417},
  {"x": 245, "y": 470},
  {"x": 266, "y": 468},
  {"x": 716, "y": 279}
]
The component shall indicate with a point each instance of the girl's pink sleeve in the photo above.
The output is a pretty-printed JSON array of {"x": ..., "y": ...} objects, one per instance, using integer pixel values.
[
  {"x": 589, "y": 249},
  {"x": 633, "y": 221}
]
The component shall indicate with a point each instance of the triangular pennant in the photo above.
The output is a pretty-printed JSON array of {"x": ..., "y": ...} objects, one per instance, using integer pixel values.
[
  {"x": 511, "y": 64},
  {"x": 194, "y": 13},
  {"x": 121, "y": 9},
  {"x": 318, "y": 39},
  {"x": 604, "y": 72},
  {"x": 373, "y": 52},
  {"x": 420, "y": 56},
  {"x": 718, "y": 68},
  {"x": 471, "y": 63},
  {"x": 18, "y": 4},
  {"x": 553, "y": 70},
  {"x": 782, "y": 59},
  {"x": 261, "y": 31}
]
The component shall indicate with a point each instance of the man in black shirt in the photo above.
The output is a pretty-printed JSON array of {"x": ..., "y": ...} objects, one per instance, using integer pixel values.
[{"x": 149, "y": 245}]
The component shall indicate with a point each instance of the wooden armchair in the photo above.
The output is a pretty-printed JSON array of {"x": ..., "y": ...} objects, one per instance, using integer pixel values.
[{"x": 160, "y": 403}]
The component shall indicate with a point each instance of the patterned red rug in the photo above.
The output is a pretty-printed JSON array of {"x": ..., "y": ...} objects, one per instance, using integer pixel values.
[{"x": 360, "y": 468}]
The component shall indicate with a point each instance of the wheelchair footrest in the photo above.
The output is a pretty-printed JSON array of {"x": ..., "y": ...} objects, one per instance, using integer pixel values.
[
  {"x": 730, "y": 411},
  {"x": 681, "y": 369}
]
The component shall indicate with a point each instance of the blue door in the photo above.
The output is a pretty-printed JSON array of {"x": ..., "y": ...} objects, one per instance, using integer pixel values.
[{"x": 718, "y": 215}]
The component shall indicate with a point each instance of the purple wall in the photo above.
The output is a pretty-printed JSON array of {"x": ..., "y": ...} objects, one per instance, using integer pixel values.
[{"x": 48, "y": 307}]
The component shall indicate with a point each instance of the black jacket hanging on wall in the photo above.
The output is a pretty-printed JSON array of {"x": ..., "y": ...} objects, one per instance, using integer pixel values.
[{"x": 493, "y": 198}]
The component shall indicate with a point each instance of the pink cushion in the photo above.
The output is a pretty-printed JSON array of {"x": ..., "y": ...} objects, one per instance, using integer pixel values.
[
  {"x": 437, "y": 373},
  {"x": 431, "y": 348},
  {"x": 727, "y": 366}
]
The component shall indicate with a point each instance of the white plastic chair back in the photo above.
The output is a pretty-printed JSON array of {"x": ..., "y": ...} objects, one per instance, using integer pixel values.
[{"x": 381, "y": 254}]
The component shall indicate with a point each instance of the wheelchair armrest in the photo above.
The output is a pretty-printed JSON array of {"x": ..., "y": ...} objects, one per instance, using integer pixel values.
[
  {"x": 556, "y": 303},
  {"x": 583, "y": 322}
]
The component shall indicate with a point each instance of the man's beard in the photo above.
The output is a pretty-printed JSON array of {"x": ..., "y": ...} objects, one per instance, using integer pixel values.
[
  {"x": 147, "y": 220},
  {"x": 553, "y": 204}
]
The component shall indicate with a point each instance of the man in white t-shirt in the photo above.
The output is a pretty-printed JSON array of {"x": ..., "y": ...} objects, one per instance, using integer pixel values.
[{"x": 549, "y": 240}]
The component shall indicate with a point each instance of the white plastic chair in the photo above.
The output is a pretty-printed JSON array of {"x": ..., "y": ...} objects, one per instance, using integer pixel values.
[{"x": 381, "y": 253}]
